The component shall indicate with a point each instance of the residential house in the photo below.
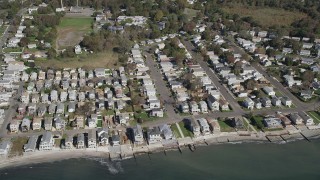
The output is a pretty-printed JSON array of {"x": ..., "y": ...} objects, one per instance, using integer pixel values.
[
  {"x": 306, "y": 94},
  {"x": 52, "y": 108},
  {"x": 31, "y": 145},
  {"x": 194, "y": 108},
  {"x": 123, "y": 118},
  {"x": 92, "y": 139},
  {"x": 138, "y": 134},
  {"x": 25, "y": 125},
  {"x": 184, "y": 107},
  {"x": 35, "y": 98},
  {"x": 63, "y": 96},
  {"x": 269, "y": 91},
  {"x": 213, "y": 103},
  {"x": 166, "y": 131},
  {"x": 266, "y": 102},
  {"x": 48, "y": 123},
  {"x": 32, "y": 108},
  {"x": 22, "y": 109},
  {"x": 248, "y": 103},
  {"x": 115, "y": 140},
  {"x": 5, "y": 147},
  {"x": 103, "y": 136},
  {"x": 224, "y": 105},
  {"x": 100, "y": 72},
  {"x": 275, "y": 101},
  {"x": 204, "y": 126},
  {"x": 272, "y": 122},
  {"x": 154, "y": 104},
  {"x": 238, "y": 123},
  {"x": 60, "y": 108},
  {"x": 71, "y": 107},
  {"x": 306, "y": 119},
  {"x": 296, "y": 118},
  {"x": 69, "y": 142},
  {"x": 47, "y": 142},
  {"x": 36, "y": 123},
  {"x": 80, "y": 141},
  {"x": 80, "y": 121},
  {"x": 91, "y": 123},
  {"x": 203, "y": 106},
  {"x": 42, "y": 109},
  {"x": 286, "y": 101},
  {"x": 59, "y": 123},
  {"x": 154, "y": 135},
  {"x": 156, "y": 112},
  {"x": 14, "y": 126}
]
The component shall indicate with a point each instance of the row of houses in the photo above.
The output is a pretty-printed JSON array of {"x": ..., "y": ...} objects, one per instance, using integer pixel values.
[{"x": 280, "y": 120}]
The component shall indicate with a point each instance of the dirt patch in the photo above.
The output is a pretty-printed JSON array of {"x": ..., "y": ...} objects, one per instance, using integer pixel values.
[{"x": 69, "y": 37}]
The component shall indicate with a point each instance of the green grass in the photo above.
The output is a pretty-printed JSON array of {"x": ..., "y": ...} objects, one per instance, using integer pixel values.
[
  {"x": 190, "y": 13},
  {"x": 175, "y": 130},
  {"x": 225, "y": 127},
  {"x": 257, "y": 122},
  {"x": 99, "y": 123},
  {"x": 185, "y": 131},
  {"x": 17, "y": 146},
  {"x": 2, "y": 29},
  {"x": 8, "y": 50},
  {"x": 80, "y": 23},
  {"x": 315, "y": 116},
  {"x": 267, "y": 17}
]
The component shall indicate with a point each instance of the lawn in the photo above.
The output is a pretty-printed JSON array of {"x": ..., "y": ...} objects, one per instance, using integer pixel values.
[
  {"x": 17, "y": 146},
  {"x": 8, "y": 50},
  {"x": 107, "y": 59},
  {"x": 266, "y": 16},
  {"x": 185, "y": 131},
  {"x": 99, "y": 123},
  {"x": 175, "y": 130},
  {"x": 315, "y": 116},
  {"x": 190, "y": 13},
  {"x": 257, "y": 122},
  {"x": 2, "y": 29},
  {"x": 72, "y": 30},
  {"x": 225, "y": 127}
]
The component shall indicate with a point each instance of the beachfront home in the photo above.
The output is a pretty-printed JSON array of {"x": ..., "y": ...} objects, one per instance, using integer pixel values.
[
  {"x": 204, "y": 126},
  {"x": 79, "y": 121},
  {"x": 213, "y": 103},
  {"x": 138, "y": 134},
  {"x": 80, "y": 141},
  {"x": 92, "y": 139},
  {"x": 69, "y": 142},
  {"x": 103, "y": 136},
  {"x": 295, "y": 118},
  {"x": 154, "y": 135},
  {"x": 166, "y": 131},
  {"x": 5, "y": 148},
  {"x": 47, "y": 142},
  {"x": 115, "y": 140},
  {"x": 31, "y": 145},
  {"x": 306, "y": 119},
  {"x": 272, "y": 122}
]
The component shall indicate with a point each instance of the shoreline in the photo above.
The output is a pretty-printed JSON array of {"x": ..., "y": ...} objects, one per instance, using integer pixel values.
[{"x": 131, "y": 152}]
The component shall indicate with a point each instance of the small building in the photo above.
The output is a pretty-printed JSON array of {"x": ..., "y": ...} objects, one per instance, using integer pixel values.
[
  {"x": 138, "y": 134},
  {"x": 203, "y": 106},
  {"x": 306, "y": 119},
  {"x": 115, "y": 140},
  {"x": 103, "y": 136},
  {"x": 25, "y": 125},
  {"x": 48, "y": 123},
  {"x": 36, "y": 123},
  {"x": 5, "y": 148},
  {"x": 154, "y": 135},
  {"x": 80, "y": 121},
  {"x": 166, "y": 131},
  {"x": 266, "y": 102},
  {"x": 275, "y": 101},
  {"x": 156, "y": 112},
  {"x": 69, "y": 142}
]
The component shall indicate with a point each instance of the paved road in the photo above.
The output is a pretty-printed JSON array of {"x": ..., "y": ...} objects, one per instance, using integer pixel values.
[
  {"x": 225, "y": 92},
  {"x": 165, "y": 94}
]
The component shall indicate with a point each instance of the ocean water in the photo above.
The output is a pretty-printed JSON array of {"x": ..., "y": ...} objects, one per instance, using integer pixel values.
[{"x": 294, "y": 161}]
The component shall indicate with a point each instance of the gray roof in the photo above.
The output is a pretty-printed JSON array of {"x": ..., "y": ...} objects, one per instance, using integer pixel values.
[
  {"x": 4, "y": 144},
  {"x": 80, "y": 137},
  {"x": 115, "y": 138},
  {"x": 46, "y": 137},
  {"x": 32, "y": 143}
]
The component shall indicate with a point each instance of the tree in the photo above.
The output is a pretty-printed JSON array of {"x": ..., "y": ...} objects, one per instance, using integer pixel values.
[
  {"x": 307, "y": 77},
  {"x": 250, "y": 84},
  {"x": 271, "y": 52},
  {"x": 158, "y": 16},
  {"x": 189, "y": 27},
  {"x": 24, "y": 42},
  {"x": 51, "y": 53}
]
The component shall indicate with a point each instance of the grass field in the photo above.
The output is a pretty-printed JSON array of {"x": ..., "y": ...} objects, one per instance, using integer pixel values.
[
  {"x": 315, "y": 116},
  {"x": 190, "y": 13},
  {"x": 175, "y": 130},
  {"x": 17, "y": 146},
  {"x": 106, "y": 59},
  {"x": 185, "y": 131},
  {"x": 72, "y": 30},
  {"x": 266, "y": 16},
  {"x": 225, "y": 127}
]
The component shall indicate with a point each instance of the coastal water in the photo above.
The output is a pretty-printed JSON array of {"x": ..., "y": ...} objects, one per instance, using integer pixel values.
[{"x": 296, "y": 160}]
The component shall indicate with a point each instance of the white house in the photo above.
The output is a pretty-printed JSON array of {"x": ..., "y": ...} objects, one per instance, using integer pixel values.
[
  {"x": 269, "y": 91},
  {"x": 5, "y": 147},
  {"x": 248, "y": 103},
  {"x": 204, "y": 126},
  {"x": 47, "y": 141}
]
